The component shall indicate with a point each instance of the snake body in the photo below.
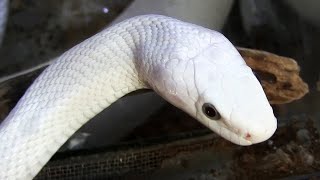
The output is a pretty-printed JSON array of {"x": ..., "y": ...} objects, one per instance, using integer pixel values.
[{"x": 196, "y": 69}]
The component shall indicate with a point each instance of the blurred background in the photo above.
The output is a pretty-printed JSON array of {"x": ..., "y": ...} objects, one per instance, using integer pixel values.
[{"x": 33, "y": 33}]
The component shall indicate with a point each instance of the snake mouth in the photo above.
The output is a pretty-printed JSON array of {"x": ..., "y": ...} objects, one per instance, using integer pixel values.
[{"x": 231, "y": 135}]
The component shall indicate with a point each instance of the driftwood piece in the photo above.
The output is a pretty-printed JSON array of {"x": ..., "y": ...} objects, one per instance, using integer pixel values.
[{"x": 279, "y": 77}]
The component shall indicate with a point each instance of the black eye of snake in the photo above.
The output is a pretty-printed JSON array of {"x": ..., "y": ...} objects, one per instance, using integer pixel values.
[{"x": 210, "y": 111}]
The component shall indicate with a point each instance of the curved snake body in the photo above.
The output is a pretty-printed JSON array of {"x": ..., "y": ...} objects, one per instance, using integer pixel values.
[{"x": 188, "y": 65}]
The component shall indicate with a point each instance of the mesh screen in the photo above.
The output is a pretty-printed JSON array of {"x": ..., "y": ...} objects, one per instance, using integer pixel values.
[{"x": 121, "y": 164}]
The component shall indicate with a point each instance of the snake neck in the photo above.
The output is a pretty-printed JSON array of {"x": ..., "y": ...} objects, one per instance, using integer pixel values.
[{"x": 80, "y": 84}]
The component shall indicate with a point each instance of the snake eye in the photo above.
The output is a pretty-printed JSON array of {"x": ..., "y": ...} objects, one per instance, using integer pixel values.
[{"x": 210, "y": 111}]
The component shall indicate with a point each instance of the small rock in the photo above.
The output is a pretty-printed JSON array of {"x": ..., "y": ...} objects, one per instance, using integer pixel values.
[
  {"x": 303, "y": 137},
  {"x": 306, "y": 157}
]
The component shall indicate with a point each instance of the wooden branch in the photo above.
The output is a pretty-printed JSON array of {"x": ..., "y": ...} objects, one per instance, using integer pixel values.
[{"x": 279, "y": 76}]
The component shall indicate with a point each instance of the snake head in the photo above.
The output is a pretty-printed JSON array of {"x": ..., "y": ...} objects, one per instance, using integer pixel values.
[
  {"x": 231, "y": 101},
  {"x": 216, "y": 87},
  {"x": 203, "y": 74},
  {"x": 236, "y": 107}
]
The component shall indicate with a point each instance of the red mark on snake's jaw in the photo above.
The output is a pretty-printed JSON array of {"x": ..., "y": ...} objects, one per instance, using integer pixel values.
[{"x": 248, "y": 136}]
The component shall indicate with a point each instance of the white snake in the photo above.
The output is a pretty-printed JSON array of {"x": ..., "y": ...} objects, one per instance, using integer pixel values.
[{"x": 196, "y": 69}]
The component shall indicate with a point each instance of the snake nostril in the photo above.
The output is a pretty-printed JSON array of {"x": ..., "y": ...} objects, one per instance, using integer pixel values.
[{"x": 248, "y": 136}]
